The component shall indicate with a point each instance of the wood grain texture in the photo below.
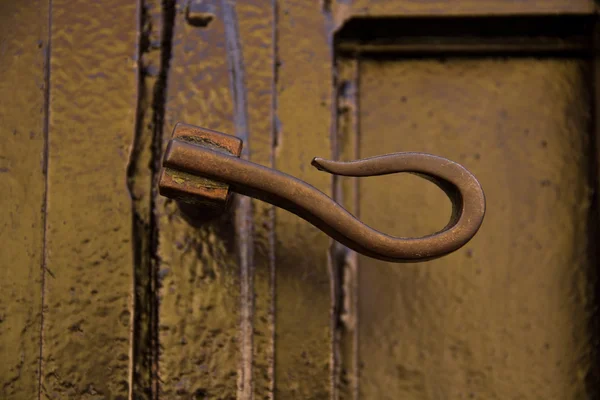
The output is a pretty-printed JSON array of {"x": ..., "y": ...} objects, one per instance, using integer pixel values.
[
  {"x": 198, "y": 265},
  {"x": 24, "y": 45},
  {"x": 508, "y": 315},
  {"x": 303, "y": 328},
  {"x": 346, "y": 9},
  {"x": 88, "y": 282}
]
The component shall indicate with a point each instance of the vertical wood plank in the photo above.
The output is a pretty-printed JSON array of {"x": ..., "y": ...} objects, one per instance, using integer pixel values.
[
  {"x": 231, "y": 59},
  {"x": 88, "y": 280},
  {"x": 303, "y": 306},
  {"x": 24, "y": 33},
  {"x": 244, "y": 227},
  {"x": 256, "y": 27},
  {"x": 198, "y": 265}
]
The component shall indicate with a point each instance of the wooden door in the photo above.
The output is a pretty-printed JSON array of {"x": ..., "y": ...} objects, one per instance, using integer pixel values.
[{"x": 110, "y": 291}]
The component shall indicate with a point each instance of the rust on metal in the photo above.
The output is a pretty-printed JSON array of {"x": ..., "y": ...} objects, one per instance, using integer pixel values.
[
  {"x": 201, "y": 154},
  {"x": 193, "y": 189}
]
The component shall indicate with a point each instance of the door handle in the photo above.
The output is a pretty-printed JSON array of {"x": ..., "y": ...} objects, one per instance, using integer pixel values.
[{"x": 203, "y": 167}]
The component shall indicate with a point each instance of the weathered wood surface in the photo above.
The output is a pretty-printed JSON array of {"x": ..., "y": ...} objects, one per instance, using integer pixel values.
[
  {"x": 518, "y": 297},
  {"x": 23, "y": 49},
  {"x": 197, "y": 258},
  {"x": 146, "y": 299},
  {"x": 89, "y": 255},
  {"x": 220, "y": 77},
  {"x": 256, "y": 21}
]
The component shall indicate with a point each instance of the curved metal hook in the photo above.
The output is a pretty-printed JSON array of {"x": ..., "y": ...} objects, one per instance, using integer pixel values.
[{"x": 314, "y": 206}]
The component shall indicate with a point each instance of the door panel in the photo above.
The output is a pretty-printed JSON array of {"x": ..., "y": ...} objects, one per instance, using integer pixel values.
[
  {"x": 145, "y": 298},
  {"x": 506, "y": 316}
]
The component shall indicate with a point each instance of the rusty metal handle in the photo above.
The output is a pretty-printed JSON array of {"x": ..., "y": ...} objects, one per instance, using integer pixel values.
[{"x": 304, "y": 200}]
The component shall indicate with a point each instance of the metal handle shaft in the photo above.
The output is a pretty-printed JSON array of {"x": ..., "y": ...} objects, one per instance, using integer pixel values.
[{"x": 304, "y": 200}]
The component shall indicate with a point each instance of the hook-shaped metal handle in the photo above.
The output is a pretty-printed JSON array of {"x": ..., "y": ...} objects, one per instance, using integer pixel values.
[{"x": 191, "y": 156}]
